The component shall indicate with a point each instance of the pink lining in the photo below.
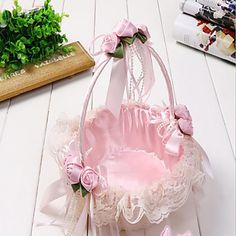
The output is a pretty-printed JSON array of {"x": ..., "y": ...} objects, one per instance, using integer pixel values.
[{"x": 129, "y": 148}]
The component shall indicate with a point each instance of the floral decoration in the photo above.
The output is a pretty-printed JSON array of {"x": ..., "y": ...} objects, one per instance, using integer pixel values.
[
  {"x": 124, "y": 33},
  {"x": 81, "y": 177},
  {"x": 184, "y": 119}
]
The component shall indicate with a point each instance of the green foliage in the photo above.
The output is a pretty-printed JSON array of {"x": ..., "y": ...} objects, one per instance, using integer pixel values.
[
  {"x": 80, "y": 187},
  {"x": 29, "y": 37}
]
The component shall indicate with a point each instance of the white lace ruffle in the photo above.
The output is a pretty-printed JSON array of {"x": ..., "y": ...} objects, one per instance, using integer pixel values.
[{"x": 155, "y": 202}]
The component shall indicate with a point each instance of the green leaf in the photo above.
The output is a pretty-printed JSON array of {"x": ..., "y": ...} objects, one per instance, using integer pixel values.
[
  {"x": 5, "y": 56},
  {"x": 29, "y": 37},
  {"x": 46, "y": 3},
  {"x": 23, "y": 58},
  {"x": 35, "y": 50},
  {"x": 6, "y": 15},
  {"x": 20, "y": 46},
  {"x": 18, "y": 8},
  {"x": 75, "y": 187},
  {"x": 3, "y": 23},
  {"x": 24, "y": 40},
  {"x": 119, "y": 52},
  {"x": 68, "y": 49},
  {"x": 83, "y": 191},
  {"x": 31, "y": 21},
  {"x": 129, "y": 40},
  {"x": 142, "y": 37},
  {"x": 2, "y": 63},
  {"x": 15, "y": 66},
  {"x": 80, "y": 187}
]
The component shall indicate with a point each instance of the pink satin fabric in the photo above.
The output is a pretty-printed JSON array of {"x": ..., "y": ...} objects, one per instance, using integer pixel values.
[
  {"x": 128, "y": 148},
  {"x": 133, "y": 170},
  {"x": 167, "y": 232}
]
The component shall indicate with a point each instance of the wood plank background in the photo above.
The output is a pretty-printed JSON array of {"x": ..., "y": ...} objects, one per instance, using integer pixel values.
[
  {"x": 46, "y": 72},
  {"x": 205, "y": 84}
]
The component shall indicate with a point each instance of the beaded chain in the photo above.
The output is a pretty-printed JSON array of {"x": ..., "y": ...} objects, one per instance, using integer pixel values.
[{"x": 136, "y": 85}]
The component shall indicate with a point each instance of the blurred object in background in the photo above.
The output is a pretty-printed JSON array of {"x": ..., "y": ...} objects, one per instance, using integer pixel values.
[{"x": 209, "y": 26}]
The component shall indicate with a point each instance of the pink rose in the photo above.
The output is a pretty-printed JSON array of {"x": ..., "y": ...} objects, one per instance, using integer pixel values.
[
  {"x": 125, "y": 29},
  {"x": 74, "y": 171},
  {"x": 110, "y": 43},
  {"x": 184, "y": 119},
  {"x": 89, "y": 179},
  {"x": 185, "y": 126},
  {"x": 181, "y": 111},
  {"x": 144, "y": 30}
]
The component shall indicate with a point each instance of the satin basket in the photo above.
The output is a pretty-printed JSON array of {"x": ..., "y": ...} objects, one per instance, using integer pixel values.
[{"x": 127, "y": 164}]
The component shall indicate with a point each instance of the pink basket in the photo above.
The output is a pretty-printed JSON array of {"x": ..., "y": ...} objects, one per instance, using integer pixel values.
[{"x": 134, "y": 163}]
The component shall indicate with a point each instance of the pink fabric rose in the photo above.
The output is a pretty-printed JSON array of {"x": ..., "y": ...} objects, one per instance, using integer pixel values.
[
  {"x": 181, "y": 111},
  {"x": 184, "y": 119},
  {"x": 144, "y": 30},
  {"x": 125, "y": 29},
  {"x": 74, "y": 171},
  {"x": 186, "y": 126},
  {"x": 110, "y": 43},
  {"x": 89, "y": 179}
]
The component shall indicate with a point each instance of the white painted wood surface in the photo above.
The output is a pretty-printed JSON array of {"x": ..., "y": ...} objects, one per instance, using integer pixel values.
[{"x": 205, "y": 84}]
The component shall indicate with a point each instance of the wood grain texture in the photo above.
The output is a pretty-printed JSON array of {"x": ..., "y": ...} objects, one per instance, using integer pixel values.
[
  {"x": 56, "y": 68},
  {"x": 66, "y": 101},
  {"x": 193, "y": 85},
  {"x": 4, "y": 105},
  {"x": 21, "y": 148},
  {"x": 223, "y": 77}
]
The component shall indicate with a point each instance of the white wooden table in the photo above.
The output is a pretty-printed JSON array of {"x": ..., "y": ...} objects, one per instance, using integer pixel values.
[{"x": 205, "y": 84}]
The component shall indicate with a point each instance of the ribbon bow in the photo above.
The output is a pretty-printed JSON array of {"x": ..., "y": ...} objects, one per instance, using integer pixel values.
[
  {"x": 172, "y": 131},
  {"x": 81, "y": 178}
]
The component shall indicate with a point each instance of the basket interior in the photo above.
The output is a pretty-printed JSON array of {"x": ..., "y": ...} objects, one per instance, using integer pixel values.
[{"x": 127, "y": 150}]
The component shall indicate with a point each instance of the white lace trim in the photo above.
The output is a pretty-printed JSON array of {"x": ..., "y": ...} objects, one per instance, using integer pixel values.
[{"x": 156, "y": 202}]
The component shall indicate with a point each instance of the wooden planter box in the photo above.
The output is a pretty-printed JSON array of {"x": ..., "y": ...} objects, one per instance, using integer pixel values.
[{"x": 48, "y": 71}]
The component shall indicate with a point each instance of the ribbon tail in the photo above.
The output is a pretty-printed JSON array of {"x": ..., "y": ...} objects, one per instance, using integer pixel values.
[
  {"x": 55, "y": 191},
  {"x": 117, "y": 86},
  {"x": 92, "y": 220},
  {"x": 173, "y": 143},
  {"x": 81, "y": 226},
  {"x": 206, "y": 165},
  {"x": 114, "y": 230}
]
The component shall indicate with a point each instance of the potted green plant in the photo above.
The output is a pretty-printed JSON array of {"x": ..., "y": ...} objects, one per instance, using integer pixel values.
[{"x": 30, "y": 37}]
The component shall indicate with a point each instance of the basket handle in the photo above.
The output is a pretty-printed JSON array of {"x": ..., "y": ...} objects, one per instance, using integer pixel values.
[
  {"x": 167, "y": 80},
  {"x": 99, "y": 68},
  {"x": 114, "y": 46}
]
